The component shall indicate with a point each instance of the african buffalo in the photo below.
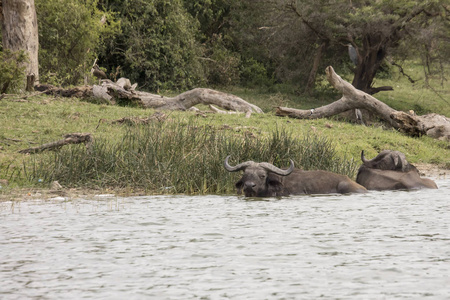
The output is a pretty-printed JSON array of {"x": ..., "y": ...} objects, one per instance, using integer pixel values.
[
  {"x": 265, "y": 180},
  {"x": 391, "y": 171}
]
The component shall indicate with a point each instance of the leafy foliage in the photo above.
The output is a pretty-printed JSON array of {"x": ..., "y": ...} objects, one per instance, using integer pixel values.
[
  {"x": 157, "y": 45},
  {"x": 214, "y": 16},
  {"x": 71, "y": 34},
  {"x": 254, "y": 73},
  {"x": 222, "y": 64},
  {"x": 223, "y": 60},
  {"x": 12, "y": 70}
]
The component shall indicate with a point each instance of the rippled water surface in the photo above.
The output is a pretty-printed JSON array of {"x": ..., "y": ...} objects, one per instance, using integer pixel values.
[{"x": 382, "y": 245}]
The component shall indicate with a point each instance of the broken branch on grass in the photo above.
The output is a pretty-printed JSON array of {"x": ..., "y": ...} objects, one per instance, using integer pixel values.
[{"x": 71, "y": 138}]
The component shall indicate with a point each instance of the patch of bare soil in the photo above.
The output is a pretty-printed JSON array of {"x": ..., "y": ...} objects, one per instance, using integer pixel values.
[{"x": 432, "y": 171}]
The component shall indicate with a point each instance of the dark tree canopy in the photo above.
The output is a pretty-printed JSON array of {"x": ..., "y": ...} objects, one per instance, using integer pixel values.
[{"x": 310, "y": 34}]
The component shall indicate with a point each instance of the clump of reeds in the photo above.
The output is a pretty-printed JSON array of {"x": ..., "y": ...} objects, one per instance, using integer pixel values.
[{"x": 173, "y": 157}]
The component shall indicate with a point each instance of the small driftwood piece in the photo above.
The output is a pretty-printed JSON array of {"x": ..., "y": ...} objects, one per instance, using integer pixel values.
[
  {"x": 71, "y": 138},
  {"x": 219, "y": 111},
  {"x": 433, "y": 125}
]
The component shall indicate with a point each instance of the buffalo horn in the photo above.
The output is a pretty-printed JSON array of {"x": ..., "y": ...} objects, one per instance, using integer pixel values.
[
  {"x": 278, "y": 171},
  {"x": 238, "y": 167},
  {"x": 365, "y": 161}
]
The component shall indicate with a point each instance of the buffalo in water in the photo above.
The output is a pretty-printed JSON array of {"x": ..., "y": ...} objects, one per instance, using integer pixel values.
[
  {"x": 265, "y": 180},
  {"x": 391, "y": 171}
]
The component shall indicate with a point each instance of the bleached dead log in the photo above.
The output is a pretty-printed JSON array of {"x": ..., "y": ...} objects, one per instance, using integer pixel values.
[
  {"x": 184, "y": 100},
  {"x": 434, "y": 125},
  {"x": 112, "y": 92},
  {"x": 99, "y": 92}
]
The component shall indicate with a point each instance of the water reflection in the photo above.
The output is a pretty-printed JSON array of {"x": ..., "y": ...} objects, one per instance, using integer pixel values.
[{"x": 381, "y": 245}]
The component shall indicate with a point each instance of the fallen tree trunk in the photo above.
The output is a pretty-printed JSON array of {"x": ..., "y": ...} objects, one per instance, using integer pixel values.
[
  {"x": 71, "y": 138},
  {"x": 114, "y": 92},
  {"x": 434, "y": 125}
]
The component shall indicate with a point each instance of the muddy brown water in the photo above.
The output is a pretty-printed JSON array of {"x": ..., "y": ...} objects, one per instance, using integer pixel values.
[{"x": 381, "y": 245}]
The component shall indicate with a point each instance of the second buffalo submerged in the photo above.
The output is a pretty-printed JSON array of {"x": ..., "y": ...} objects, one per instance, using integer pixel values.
[{"x": 390, "y": 170}]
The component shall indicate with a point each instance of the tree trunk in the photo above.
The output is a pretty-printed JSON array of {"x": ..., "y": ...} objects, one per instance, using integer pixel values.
[
  {"x": 374, "y": 48},
  {"x": 434, "y": 125},
  {"x": 312, "y": 75},
  {"x": 20, "y": 32},
  {"x": 370, "y": 58}
]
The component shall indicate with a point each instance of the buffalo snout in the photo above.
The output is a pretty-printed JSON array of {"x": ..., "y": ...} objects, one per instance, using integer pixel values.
[{"x": 249, "y": 187}]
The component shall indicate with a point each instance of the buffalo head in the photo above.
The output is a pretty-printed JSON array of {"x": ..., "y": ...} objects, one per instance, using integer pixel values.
[
  {"x": 259, "y": 179},
  {"x": 388, "y": 160}
]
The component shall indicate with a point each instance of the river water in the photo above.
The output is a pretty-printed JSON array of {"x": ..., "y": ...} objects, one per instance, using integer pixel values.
[{"x": 381, "y": 245}]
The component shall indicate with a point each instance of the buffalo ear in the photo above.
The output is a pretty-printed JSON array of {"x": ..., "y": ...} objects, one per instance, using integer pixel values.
[
  {"x": 274, "y": 184},
  {"x": 398, "y": 164}
]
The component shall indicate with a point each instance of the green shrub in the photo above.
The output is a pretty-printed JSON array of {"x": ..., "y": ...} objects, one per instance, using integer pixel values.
[
  {"x": 254, "y": 74},
  {"x": 221, "y": 64},
  {"x": 71, "y": 36},
  {"x": 156, "y": 46},
  {"x": 12, "y": 70}
]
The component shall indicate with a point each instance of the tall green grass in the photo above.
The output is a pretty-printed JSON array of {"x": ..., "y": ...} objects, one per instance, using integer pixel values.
[{"x": 176, "y": 157}]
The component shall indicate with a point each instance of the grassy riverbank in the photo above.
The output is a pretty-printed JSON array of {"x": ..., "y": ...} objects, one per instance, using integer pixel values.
[{"x": 183, "y": 152}]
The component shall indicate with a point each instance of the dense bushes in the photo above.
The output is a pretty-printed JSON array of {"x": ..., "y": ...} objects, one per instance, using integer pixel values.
[
  {"x": 71, "y": 34},
  {"x": 156, "y": 46},
  {"x": 12, "y": 70},
  {"x": 160, "y": 44}
]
